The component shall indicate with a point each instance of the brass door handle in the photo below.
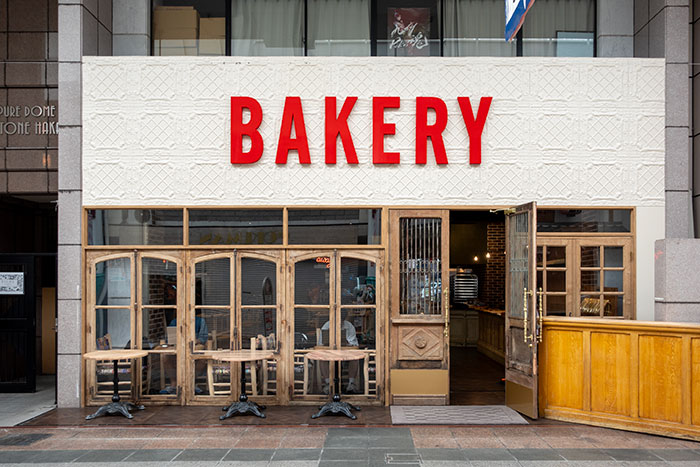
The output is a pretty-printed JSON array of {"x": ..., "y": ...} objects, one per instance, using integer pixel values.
[
  {"x": 526, "y": 337},
  {"x": 446, "y": 299},
  {"x": 540, "y": 316}
]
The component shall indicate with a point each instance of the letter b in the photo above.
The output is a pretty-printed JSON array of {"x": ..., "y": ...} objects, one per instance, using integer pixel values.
[{"x": 250, "y": 129}]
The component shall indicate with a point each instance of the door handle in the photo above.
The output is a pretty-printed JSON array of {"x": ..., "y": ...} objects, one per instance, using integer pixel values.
[
  {"x": 526, "y": 337},
  {"x": 446, "y": 300},
  {"x": 540, "y": 316}
]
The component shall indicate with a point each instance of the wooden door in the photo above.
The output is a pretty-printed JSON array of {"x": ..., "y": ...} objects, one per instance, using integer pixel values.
[
  {"x": 522, "y": 323},
  {"x": 419, "y": 331}
]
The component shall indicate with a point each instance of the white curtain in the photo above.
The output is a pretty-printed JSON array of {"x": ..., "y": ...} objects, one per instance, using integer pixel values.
[
  {"x": 267, "y": 27},
  {"x": 551, "y": 28},
  {"x": 476, "y": 28},
  {"x": 339, "y": 27},
  {"x": 559, "y": 28}
]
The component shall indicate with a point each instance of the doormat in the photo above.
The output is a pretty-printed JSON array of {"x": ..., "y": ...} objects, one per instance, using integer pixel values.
[{"x": 455, "y": 415}]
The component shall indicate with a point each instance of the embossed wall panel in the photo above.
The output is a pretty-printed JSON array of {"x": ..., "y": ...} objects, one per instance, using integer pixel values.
[
  {"x": 565, "y": 369},
  {"x": 660, "y": 387},
  {"x": 562, "y": 131},
  {"x": 610, "y": 373},
  {"x": 420, "y": 343}
]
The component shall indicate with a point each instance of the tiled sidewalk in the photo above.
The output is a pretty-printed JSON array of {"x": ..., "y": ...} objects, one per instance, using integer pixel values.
[{"x": 342, "y": 446}]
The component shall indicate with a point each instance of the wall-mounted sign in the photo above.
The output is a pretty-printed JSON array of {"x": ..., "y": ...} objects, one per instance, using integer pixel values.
[
  {"x": 336, "y": 125},
  {"x": 11, "y": 283},
  {"x": 17, "y": 120}
]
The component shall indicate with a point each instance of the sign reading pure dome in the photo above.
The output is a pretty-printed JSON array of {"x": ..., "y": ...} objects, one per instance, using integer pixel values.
[{"x": 336, "y": 125}]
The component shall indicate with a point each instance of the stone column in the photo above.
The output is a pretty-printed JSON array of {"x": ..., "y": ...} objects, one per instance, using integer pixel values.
[
  {"x": 84, "y": 28},
  {"x": 132, "y": 27},
  {"x": 615, "y": 28}
]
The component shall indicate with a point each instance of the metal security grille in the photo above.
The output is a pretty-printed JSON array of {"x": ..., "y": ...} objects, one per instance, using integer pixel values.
[{"x": 420, "y": 266}]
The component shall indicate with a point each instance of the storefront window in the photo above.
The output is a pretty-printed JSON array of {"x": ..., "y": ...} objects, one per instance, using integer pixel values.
[
  {"x": 134, "y": 226},
  {"x": 235, "y": 227},
  {"x": 475, "y": 28},
  {"x": 267, "y": 27},
  {"x": 559, "y": 28},
  {"x": 584, "y": 220},
  {"x": 335, "y": 226},
  {"x": 189, "y": 27},
  {"x": 339, "y": 28}
]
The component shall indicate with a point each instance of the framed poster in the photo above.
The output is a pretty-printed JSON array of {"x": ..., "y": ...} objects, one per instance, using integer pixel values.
[{"x": 408, "y": 30}]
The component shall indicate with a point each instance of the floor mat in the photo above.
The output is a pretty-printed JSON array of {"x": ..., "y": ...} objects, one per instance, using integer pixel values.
[{"x": 455, "y": 415}]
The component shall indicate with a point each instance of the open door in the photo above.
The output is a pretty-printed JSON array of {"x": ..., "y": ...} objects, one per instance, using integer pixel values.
[
  {"x": 420, "y": 339},
  {"x": 523, "y": 320}
]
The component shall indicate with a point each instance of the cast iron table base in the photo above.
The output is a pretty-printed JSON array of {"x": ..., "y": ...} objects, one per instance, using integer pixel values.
[
  {"x": 336, "y": 406},
  {"x": 243, "y": 406},
  {"x": 116, "y": 406}
]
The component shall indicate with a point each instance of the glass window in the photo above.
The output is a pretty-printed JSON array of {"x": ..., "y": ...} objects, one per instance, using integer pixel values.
[
  {"x": 559, "y": 28},
  {"x": 235, "y": 227},
  {"x": 584, "y": 220},
  {"x": 407, "y": 28},
  {"x": 335, "y": 226},
  {"x": 475, "y": 28},
  {"x": 267, "y": 27},
  {"x": 339, "y": 28},
  {"x": 134, "y": 226},
  {"x": 189, "y": 27}
]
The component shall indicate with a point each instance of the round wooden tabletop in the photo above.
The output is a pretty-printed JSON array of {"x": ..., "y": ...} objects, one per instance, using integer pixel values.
[
  {"x": 240, "y": 355},
  {"x": 336, "y": 355},
  {"x": 115, "y": 354}
]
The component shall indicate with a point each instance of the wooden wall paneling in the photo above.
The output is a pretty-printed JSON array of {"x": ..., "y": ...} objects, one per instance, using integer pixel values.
[
  {"x": 610, "y": 370},
  {"x": 695, "y": 380},
  {"x": 686, "y": 381},
  {"x": 564, "y": 369},
  {"x": 660, "y": 387},
  {"x": 634, "y": 374}
]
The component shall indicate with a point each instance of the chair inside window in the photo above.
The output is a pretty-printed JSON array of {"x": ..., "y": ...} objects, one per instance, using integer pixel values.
[{"x": 105, "y": 370}]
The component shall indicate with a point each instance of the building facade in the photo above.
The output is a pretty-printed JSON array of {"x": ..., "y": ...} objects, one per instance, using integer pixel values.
[{"x": 185, "y": 229}]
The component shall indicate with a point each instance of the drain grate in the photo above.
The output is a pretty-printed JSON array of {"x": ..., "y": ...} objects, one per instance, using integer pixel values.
[
  {"x": 23, "y": 440},
  {"x": 402, "y": 458}
]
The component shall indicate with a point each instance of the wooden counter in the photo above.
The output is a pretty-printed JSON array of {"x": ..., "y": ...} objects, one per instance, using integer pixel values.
[{"x": 492, "y": 342}]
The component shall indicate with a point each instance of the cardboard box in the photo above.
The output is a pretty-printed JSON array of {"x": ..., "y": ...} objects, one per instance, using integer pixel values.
[
  {"x": 212, "y": 28},
  {"x": 212, "y": 47},
  {"x": 174, "y": 47},
  {"x": 168, "y": 17},
  {"x": 177, "y": 34}
]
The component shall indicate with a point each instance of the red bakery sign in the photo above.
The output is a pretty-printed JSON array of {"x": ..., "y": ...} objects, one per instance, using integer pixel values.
[{"x": 336, "y": 125}]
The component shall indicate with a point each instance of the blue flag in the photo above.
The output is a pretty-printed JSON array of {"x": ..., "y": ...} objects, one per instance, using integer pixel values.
[{"x": 515, "y": 15}]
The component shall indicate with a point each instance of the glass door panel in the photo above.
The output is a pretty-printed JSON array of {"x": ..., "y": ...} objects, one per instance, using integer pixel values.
[
  {"x": 160, "y": 297},
  {"x": 111, "y": 321}
]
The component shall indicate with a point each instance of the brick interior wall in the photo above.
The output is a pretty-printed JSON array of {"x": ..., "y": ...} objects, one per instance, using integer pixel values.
[{"x": 494, "y": 288}]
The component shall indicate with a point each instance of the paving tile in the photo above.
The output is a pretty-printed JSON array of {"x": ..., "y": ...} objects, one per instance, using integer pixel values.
[
  {"x": 426, "y": 463},
  {"x": 105, "y": 455},
  {"x": 677, "y": 454},
  {"x": 389, "y": 432},
  {"x": 479, "y": 443},
  {"x": 249, "y": 455},
  {"x": 431, "y": 432},
  {"x": 262, "y": 443},
  {"x": 153, "y": 455},
  {"x": 348, "y": 432},
  {"x": 488, "y": 455},
  {"x": 211, "y": 443},
  {"x": 441, "y": 454},
  {"x": 339, "y": 442},
  {"x": 523, "y": 442},
  {"x": 12, "y": 457},
  {"x": 382, "y": 442},
  {"x": 56, "y": 456},
  {"x": 631, "y": 455},
  {"x": 201, "y": 455},
  {"x": 22, "y": 439},
  {"x": 584, "y": 455},
  {"x": 556, "y": 442},
  {"x": 166, "y": 443},
  {"x": 296, "y": 455},
  {"x": 471, "y": 432},
  {"x": 535, "y": 455},
  {"x": 435, "y": 443},
  {"x": 299, "y": 442},
  {"x": 490, "y": 463},
  {"x": 305, "y": 463},
  {"x": 340, "y": 463},
  {"x": 344, "y": 454}
]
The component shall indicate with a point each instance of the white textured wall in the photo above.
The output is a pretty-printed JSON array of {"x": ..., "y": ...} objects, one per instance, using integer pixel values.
[{"x": 560, "y": 131}]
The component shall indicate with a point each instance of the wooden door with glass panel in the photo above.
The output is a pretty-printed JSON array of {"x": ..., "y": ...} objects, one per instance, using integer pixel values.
[
  {"x": 336, "y": 296},
  {"x": 419, "y": 339},
  {"x": 523, "y": 320},
  {"x": 235, "y": 302},
  {"x": 134, "y": 301}
]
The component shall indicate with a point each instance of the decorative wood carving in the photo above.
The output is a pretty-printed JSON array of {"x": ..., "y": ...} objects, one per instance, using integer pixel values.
[{"x": 420, "y": 343}]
